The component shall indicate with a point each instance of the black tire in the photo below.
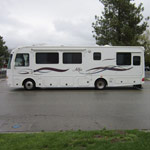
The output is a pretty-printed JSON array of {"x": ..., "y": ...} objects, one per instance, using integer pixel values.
[
  {"x": 100, "y": 84},
  {"x": 29, "y": 85},
  {"x": 139, "y": 86}
]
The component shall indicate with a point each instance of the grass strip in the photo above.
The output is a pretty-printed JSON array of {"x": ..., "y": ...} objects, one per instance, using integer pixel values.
[{"x": 77, "y": 140}]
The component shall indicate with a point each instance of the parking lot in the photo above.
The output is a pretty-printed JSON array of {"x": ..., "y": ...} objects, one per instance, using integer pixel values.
[
  {"x": 147, "y": 74},
  {"x": 66, "y": 109}
]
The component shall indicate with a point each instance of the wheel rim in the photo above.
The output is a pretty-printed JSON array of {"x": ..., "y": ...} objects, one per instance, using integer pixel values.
[
  {"x": 100, "y": 84},
  {"x": 29, "y": 85}
]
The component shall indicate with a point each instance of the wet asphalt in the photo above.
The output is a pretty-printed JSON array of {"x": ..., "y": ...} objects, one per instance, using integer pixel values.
[{"x": 73, "y": 109}]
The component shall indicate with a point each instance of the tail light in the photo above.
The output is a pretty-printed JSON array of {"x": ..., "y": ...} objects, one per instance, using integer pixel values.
[{"x": 142, "y": 79}]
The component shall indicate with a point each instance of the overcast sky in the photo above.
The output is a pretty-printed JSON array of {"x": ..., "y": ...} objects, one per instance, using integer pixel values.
[{"x": 53, "y": 22}]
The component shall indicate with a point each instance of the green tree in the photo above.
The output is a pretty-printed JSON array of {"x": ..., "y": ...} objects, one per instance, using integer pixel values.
[
  {"x": 121, "y": 23},
  {"x": 4, "y": 54},
  {"x": 145, "y": 41}
]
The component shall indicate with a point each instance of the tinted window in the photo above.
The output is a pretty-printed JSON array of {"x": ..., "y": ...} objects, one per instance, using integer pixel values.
[
  {"x": 47, "y": 58},
  {"x": 136, "y": 60},
  {"x": 123, "y": 58},
  {"x": 97, "y": 56},
  {"x": 22, "y": 60},
  {"x": 72, "y": 58},
  {"x": 9, "y": 62}
]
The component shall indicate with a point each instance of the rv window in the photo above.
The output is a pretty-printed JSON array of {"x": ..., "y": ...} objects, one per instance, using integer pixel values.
[
  {"x": 136, "y": 60},
  {"x": 72, "y": 58},
  {"x": 123, "y": 58},
  {"x": 22, "y": 60},
  {"x": 97, "y": 56},
  {"x": 47, "y": 58}
]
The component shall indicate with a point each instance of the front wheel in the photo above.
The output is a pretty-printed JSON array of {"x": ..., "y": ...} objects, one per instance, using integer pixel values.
[
  {"x": 100, "y": 84},
  {"x": 29, "y": 85}
]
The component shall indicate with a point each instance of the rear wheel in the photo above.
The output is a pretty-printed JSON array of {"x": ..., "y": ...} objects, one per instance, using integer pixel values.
[
  {"x": 100, "y": 84},
  {"x": 29, "y": 85},
  {"x": 139, "y": 86}
]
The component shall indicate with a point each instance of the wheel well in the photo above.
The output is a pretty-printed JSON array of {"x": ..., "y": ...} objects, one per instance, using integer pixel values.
[
  {"x": 28, "y": 79},
  {"x": 101, "y": 79}
]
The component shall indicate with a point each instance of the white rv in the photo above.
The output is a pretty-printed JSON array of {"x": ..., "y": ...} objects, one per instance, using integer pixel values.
[{"x": 45, "y": 66}]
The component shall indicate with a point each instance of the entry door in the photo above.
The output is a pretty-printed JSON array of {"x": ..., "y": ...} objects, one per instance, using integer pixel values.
[{"x": 137, "y": 64}]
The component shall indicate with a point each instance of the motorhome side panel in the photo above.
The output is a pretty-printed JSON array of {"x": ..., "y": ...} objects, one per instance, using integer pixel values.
[{"x": 61, "y": 73}]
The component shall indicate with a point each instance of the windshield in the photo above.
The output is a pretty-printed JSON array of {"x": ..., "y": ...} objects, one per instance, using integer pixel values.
[{"x": 9, "y": 62}]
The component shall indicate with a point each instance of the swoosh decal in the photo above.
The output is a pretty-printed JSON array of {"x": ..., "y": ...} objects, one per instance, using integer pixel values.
[
  {"x": 114, "y": 68},
  {"x": 109, "y": 59},
  {"x": 101, "y": 69},
  {"x": 24, "y": 73},
  {"x": 51, "y": 69}
]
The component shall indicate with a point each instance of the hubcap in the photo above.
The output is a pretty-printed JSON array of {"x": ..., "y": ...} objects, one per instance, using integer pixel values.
[
  {"x": 29, "y": 85},
  {"x": 100, "y": 85}
]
